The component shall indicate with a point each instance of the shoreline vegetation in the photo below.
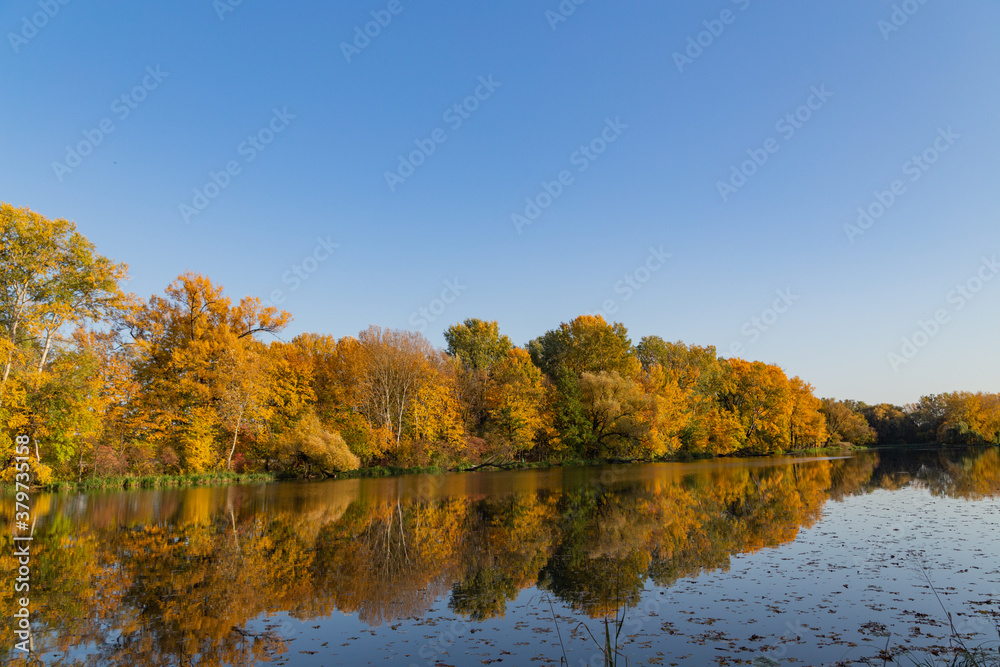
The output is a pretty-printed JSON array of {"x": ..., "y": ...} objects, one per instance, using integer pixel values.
[
  {"x": 189, "y": 387},
  {"x": 224, "y": 478}
]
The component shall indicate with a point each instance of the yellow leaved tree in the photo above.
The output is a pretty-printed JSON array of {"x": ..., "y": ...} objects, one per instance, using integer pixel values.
[
  {"x": 205, "y": 379},
  {"x": 52, "y": 282}
]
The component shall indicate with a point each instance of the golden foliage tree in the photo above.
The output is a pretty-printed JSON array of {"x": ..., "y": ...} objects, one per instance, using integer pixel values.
[
  {"x": 201, "y": 371},
  {"x": 52, "y": 282},
  {"x": 310, "y": 444},
  {"x": 392, "y": 366},
  {"x": 514, "y": 400}
]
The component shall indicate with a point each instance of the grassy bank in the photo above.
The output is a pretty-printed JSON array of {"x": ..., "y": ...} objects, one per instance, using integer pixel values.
[
  {"x": 219, "y": 478},
  {"x": 160, "y": 481},
  {"x": 222, "y": 477},
  {"x": 842, "y": 448},
  {"x": 394, "y": 471}
]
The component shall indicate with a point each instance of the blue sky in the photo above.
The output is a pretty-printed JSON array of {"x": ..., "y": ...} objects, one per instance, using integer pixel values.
[{"x": 619, "y": 100}]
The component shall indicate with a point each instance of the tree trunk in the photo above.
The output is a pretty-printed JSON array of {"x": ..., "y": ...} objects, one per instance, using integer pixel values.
[
  {"x": 232, "y": 517},
  {"x": 236, "y": 434},
  {"x": 45, "y": 352},
  {"x": 6, "y": 373},
  {"x": 15, "y": 323}
]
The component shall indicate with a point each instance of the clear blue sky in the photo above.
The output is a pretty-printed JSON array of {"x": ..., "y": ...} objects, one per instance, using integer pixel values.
[{"x": 209, "y": 78}]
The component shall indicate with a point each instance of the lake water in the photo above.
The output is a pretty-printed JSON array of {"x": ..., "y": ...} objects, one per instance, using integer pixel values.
[{"x": 805, "y": 561}]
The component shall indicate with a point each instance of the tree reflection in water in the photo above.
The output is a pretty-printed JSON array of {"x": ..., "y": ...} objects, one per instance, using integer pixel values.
[{"x": 170, "y": 576}]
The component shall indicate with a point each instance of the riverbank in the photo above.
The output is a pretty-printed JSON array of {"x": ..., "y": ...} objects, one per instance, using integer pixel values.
[
  {"x": 159, "y": 481},
  {"x": 223, "y": 477},
  {"x": 124, "y": 482}
]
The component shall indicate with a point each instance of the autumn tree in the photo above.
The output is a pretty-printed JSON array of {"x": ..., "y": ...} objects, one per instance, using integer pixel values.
[
  {"x": 389, "y": 393},
  {"x": 619, "y": 413},
  {"x": 52, "y": 282},
  {"x": 124, "y": 445},
  {"x": 477, "y": 345},
  {"x": 688, "y": 377},
  {"x": 337, "y": 371},
  {"x": 52, "y": 278},
  {"x": 672, "y": 410},
  {"x": 892, "y": 424},
  {"x": 514, "y": 400},
  {"x": 73, "y": 400},
  {"x": 757, "y": 395},
  {"x": 196, "y": 357},
  {"x": 310, "y": 444},
  {"x": 806, "y": 423},
  {"x": 587, "y": 344},
  {"x": 970, "y": 418},
  {"x": 927, "y": 415},
  {"x": 434, "y": 422},
  {"x": 393, "y": 364},
  {"x": 844, "y": 424},
  {"x": 692, "y": 367},
  {"x": 243, "y": 395}
]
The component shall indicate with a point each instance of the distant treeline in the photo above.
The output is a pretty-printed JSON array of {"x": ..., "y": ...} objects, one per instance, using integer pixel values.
[
  {"x": 105, "y": 383},
  {"x": 958, "y": 418}
]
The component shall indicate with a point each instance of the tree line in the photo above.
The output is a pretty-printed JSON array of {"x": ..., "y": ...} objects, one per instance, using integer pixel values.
[
  {"x": 190, "y": 380},
  {"x": 955, "y": 418}
]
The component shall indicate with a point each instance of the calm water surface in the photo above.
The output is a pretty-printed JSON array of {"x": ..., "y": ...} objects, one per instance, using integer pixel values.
[{"x": 803, "y": 561}]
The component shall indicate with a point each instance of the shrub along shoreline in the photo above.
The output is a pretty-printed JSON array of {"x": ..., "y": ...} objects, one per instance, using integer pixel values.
[{"x": 224, "y": 478}]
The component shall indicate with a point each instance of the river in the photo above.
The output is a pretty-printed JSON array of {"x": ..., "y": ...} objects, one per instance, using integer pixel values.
[{"x": 808, "y": 560}]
